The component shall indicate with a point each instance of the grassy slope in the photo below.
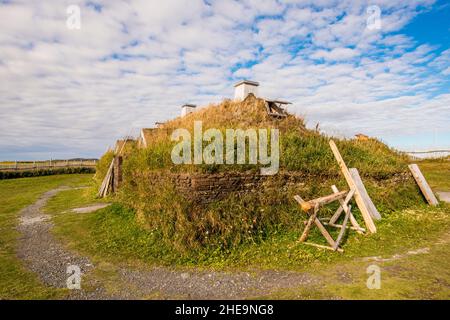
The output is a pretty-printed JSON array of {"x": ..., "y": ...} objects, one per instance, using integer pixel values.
[
  {"x": 15, "y": 281},
  {"x": 300, "y": 149}
]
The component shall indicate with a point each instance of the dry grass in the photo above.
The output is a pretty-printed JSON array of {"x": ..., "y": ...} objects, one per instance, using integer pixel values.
[{"x": 255, "y": 217}]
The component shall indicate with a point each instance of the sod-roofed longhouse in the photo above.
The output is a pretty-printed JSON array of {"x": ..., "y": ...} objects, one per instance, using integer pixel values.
[{"x": 195, "y": 191}]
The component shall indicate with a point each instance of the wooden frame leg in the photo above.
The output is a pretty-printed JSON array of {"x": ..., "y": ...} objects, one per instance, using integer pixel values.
[
  {"x": 343, "y": 229},
  {"x": 324, "y": 232},
  {"x": 308, "y": 226},
  {"x": 344, "y": 203}
]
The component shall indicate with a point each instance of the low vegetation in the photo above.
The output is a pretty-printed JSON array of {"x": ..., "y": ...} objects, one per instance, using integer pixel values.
[
  {"x": 15, "y": 281},
  {"x": 44, "y": 172}
]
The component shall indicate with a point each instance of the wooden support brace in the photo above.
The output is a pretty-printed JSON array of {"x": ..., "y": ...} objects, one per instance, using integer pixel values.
[
  {"x": 323, "y": 247},
  {"x": 343, "y": 203},
  {"x": 359, "y": 200},
  {"x": 343, "y": 229},
  {"x": 308, "y": 205},
  {"x": 423, "y": 185}
]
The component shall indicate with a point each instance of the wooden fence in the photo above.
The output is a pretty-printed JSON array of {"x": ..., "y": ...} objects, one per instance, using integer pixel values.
[
  {"x": 50, "y": 164},
  {"x": 428, "y": 154}
]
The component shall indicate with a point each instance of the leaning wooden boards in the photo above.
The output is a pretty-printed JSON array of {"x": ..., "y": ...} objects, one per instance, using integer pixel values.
[
  {"x": 423, "y": 185},
  {"x": 362, "y": 205},
  {"x": 363, "y": 192}
]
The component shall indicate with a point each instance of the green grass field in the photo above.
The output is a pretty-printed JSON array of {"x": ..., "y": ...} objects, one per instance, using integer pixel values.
[
  {"x": 15, "y": 281},
  {"x": 111, "y": 237}
]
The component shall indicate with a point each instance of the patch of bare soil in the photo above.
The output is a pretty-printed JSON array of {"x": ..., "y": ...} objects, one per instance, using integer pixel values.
[{"x": 91, "y": 208}]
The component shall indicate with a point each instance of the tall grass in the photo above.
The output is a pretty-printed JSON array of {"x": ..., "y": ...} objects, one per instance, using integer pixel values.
[{"x": 251, "y": 217}]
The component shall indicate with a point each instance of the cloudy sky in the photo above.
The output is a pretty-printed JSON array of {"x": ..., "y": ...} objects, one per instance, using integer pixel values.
[{"x": 68, "y": 91}]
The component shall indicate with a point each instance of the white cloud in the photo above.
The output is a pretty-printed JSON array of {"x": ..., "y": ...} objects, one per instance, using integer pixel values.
[
  {"x": 73, "y": 92},
  {"x": 337, "y": 54}
]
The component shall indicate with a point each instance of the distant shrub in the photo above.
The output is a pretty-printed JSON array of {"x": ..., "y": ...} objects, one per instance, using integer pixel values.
[{"x": 44, "y": 172}]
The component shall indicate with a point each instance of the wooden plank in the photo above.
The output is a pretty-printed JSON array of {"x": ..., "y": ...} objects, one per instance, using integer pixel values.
[
  {"x": 359, "y": 200},
  {"x": 308, "y": 226},
  {"x": 343, "y": 229},
  {"x": 323, "y": 247},
  {"x": 353, "y": 221},
  {"x": 423, "y": 185},
  {"x": 338, "y": 212},
  {"x": 324, "y": 232},
  {"x": 363, "y": 192},
  {"x": 308, "y": 205},
  {"x": 104, "y": 186},
  {"x": 324, "y": 222}
]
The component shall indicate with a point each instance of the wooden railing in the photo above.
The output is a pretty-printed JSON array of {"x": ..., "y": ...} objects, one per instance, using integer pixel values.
[
  {"x": 429, "y": 154},
  {"x": 50, "y": 164}
]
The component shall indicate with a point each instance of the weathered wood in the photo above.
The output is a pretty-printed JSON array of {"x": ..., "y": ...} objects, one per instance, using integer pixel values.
[
  {"x": 338, "y": 212},
  {"x": 343, "y": 229},
  {"x": 323, "y": 247},
  {"x": 363, "y": 192},
  {"x": 324, "y": 232},
  {"x": 359, "y": 200},
  {"x": 334, "y": 225},
  {"x": 343, "y": 203},
  {"x": 423, "y": 185},
  {"x": 308, "y": 226},
  {"x": 308, "y": 205},
  {"x": 106, "y": 181}
]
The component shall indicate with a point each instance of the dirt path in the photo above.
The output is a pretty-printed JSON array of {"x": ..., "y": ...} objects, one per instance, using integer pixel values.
[
  {"x": 49, "y": 259},
  {"x": 44, "y": 255}
]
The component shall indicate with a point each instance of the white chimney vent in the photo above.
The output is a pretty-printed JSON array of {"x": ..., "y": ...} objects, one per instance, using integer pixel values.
[
  {"x": 243, "y": 88},
  {"x": 187, "y": 108}
]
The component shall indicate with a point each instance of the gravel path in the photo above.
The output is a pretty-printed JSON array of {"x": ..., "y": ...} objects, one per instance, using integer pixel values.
[
  {"x": 49, "y": 259},
  {"x": 44, "y": 255},
  {"x": 168, "y": 284}
]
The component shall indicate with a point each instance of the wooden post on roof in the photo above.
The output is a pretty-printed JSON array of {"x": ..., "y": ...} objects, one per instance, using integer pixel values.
[{"x": 363, "y": 207}]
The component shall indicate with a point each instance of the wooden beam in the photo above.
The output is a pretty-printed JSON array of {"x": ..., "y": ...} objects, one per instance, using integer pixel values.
[
  {"x": 308, "y": 205},
  {"x": 343, "y": 203},
  {"x": 343, "y": 229},
  {"x": 359, "y": 200},
  {"x": 308, "y": 226},
  {"x": 324, "y": 232},
  {"x": 323, "y": 247},
  {"x": 423, "y": 185},
  {"x": 363, "y": 192},
  {"x": 324, "y": 222}
]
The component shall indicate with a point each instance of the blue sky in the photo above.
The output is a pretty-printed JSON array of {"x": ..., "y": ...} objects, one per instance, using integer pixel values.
[{"x": 72, "y": 92}]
